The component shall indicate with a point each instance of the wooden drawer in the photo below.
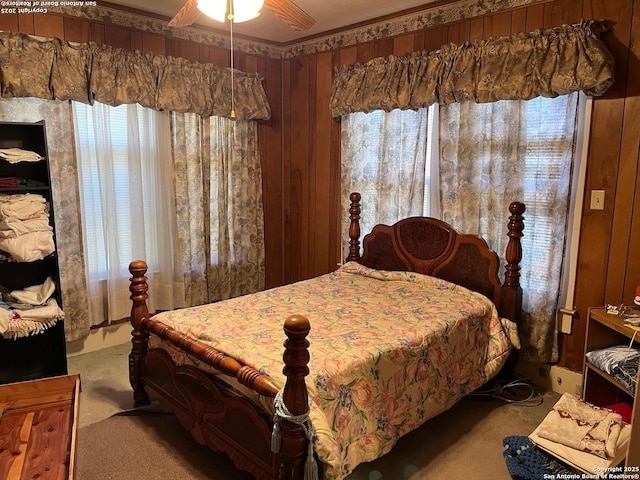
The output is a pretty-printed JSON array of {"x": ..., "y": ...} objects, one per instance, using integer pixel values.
[{"x": 38, "y": 423}]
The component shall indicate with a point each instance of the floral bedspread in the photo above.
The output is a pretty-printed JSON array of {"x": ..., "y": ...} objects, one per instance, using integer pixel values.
[{"x": 389, "y": 350}]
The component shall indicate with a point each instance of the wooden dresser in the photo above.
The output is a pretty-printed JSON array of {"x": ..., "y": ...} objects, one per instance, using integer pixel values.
[{"x": 38, "y": 423}]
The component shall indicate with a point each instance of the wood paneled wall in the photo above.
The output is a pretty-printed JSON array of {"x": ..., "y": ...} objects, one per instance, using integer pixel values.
[
  {"x": 312, "y": 138},
  {"x": 609, "y": 253},
  {"x": 300, "y": 144}
]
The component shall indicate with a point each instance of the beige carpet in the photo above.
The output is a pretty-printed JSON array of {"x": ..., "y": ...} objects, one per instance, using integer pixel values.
[
  {"x": 146, "y": 446},
  {"x": 117, "y": 442}
]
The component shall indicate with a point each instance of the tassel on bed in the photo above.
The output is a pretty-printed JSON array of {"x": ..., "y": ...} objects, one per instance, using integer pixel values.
[
  {"x": 310, "y": 466},
  {"x": 281, "y": 411},
  {"x": 276, "y": 438}
]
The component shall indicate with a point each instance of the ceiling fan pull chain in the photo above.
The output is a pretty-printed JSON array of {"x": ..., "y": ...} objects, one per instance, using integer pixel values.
[{"x": 233, "y": 109}]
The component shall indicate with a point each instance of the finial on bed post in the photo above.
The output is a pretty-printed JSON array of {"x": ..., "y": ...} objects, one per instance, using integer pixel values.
[
  {"x": 293, "y": 450},
  {"x": 354, "y": 227},
  {"x": 140, "y": 335},
  {"x": 512, "y": 292}
]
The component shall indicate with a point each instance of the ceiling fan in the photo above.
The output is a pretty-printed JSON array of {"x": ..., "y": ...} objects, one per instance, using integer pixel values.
[{"x": 285, "y": 10}]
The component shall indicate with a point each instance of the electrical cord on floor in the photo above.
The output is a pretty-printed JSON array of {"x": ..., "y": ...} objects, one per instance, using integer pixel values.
[{"x": 516, "y": 392}]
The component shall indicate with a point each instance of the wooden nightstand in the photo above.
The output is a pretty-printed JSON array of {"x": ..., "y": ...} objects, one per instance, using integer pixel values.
[
  {"x": 605, "y": 330},
  {"x": 600, "y": 388}
]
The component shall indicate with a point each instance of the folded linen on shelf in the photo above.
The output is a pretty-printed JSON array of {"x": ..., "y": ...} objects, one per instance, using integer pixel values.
[
  {"x": 9, "y": 182},
  {"x": 626, "y": 372},
  {"x": 15, "y": 155},
  {"x": 12, "y": 228},
  {"x": 5, "y": 320},
  {"x": 22, "y": 206},
  {"x": 607, "y": 358},
  {"x": 29, "y": 247},
  {"x": 35, "y": 294},
  {"x": 30, "y": 182},
  {"x": 33, "y": 321},
  {"x": 24, "y": 225},
  {"x": 582, "y": 426},
  {"x": 48, "y": 311}
]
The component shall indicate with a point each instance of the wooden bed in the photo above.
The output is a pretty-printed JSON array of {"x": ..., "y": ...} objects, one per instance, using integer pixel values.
[{"x": 225, "y": 421}]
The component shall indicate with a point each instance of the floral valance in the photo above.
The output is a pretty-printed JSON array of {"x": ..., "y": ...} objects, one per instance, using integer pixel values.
[
  {"x": 545, "y": 63},
  {"x": 55, "y": 69}
]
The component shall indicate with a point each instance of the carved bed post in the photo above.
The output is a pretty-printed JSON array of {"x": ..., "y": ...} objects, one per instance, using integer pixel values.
[
  {"x": 354, "y": 227},
  {"x": 512, "y": 291},
  {"x": 293, "y": 450},
  {"x": 140, "y": 335}
]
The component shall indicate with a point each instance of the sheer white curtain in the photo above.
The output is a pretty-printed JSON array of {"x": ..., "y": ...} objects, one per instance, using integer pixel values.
[
  {"x": 385, "y": 157},
  {"x": 127, "y": 205}
]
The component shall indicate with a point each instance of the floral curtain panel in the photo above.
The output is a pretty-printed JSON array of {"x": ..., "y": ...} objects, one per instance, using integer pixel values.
[
  {"x": 54, "y": 69},
  {"x": 544, "y": 63},
  {"x": 488, "y": 158},
  {"x": 219, "y": 209},
  {"x": 385, "y": 158}
]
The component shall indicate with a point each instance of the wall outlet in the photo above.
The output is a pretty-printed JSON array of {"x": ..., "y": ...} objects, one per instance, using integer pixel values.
[
  {"x": 565, "y": 380},
  {"x": 551, "y": 377}
]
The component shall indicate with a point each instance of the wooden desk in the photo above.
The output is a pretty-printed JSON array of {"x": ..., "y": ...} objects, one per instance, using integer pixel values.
[{"x": 38, "y": 423}]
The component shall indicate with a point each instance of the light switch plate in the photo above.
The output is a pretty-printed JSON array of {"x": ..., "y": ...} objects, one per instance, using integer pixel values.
[
  {"x": 566, "y": 324},
  {"x": 597, "y": 199}
]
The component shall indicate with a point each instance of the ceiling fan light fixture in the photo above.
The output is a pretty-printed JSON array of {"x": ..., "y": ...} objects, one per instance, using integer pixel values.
[
  {"x": 243, "y": 10},
  {"x": 215, "y": 9}
]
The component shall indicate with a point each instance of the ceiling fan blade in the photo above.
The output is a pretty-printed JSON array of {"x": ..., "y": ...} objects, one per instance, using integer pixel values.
[
  {"x": 291, "y": 14},
  {"x": 186, "y": 15}
]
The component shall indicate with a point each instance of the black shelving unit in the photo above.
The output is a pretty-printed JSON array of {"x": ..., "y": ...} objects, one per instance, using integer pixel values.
[{"x": 42, "y": 354}]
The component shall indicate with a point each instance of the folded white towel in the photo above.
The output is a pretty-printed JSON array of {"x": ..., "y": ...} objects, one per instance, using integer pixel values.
[
  {"x": 29, "y": 247},
  {"x": 36, "y": 294},
  {"x": 22, "y": 206},
  {"x": 12, "y": 228},
  {"x": 47, "y": 312}
]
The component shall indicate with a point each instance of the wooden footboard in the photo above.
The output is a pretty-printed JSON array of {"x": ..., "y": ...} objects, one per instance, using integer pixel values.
[{"x": 211, "y": 411}]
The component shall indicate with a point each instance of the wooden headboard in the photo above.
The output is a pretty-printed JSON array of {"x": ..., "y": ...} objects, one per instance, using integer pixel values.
[{"x": 433, "y": 247}]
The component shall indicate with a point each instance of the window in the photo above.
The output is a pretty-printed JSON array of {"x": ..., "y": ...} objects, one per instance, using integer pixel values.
[
  {"x": 484, "y": 156},
  {"x": 124, "y": 166},
  {"x": 498, "y": 152},
  {"x": 386, "y": 157}
]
